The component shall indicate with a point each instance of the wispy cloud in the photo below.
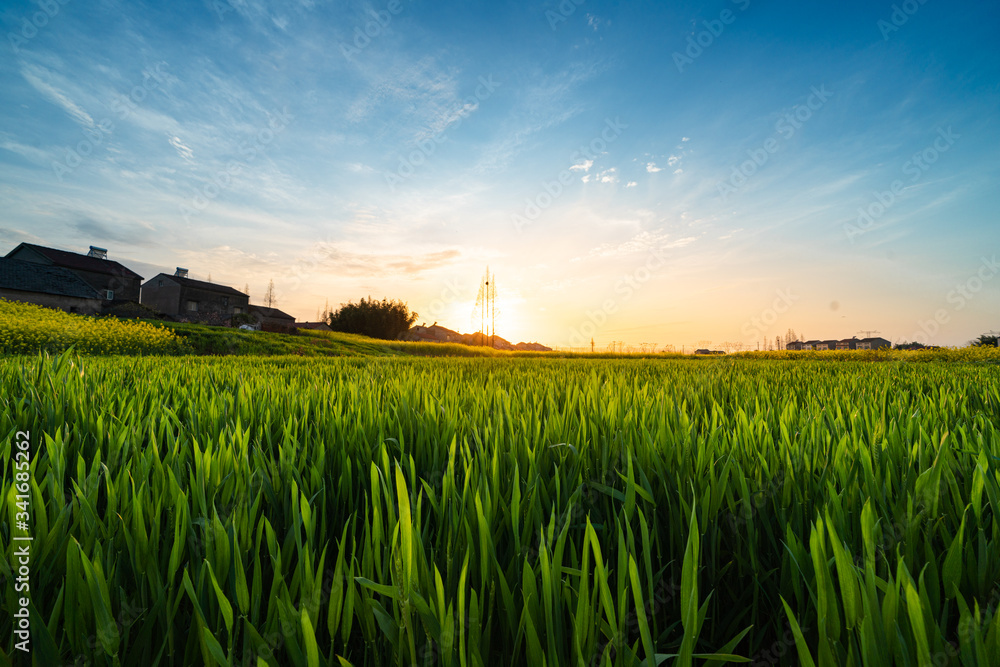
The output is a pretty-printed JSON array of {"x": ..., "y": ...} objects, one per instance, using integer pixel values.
[{"x": 45, "y": 82}]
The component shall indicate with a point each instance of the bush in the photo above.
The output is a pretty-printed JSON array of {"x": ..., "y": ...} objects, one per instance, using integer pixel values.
[
  {"x": 376, "y": 319},
  {"x": 28, "y": 328},
  {"x": 240, "y": 319}
]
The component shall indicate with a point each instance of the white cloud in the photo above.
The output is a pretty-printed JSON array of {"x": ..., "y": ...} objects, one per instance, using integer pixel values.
[
  {"x": 673, "y": 160},
  {"x": 631, "y": 184},
  {"x": 678, "y": 171},
  {"x": 686, "y": 139},
  {"x": 586, "y": 179},
  {"x": 34, "y": 75},
  {"x": 608, "y": 176},
  {"x": 28, "y": 152},
  {"x": 182, "y": 150},
  {"x": 645, "y": 241},
  {"x": 583, "y": 166},
  {"x": 652, "y": 168}
]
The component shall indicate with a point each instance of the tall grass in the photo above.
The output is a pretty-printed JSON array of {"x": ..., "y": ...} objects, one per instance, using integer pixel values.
[{"x": 388, "y": 511}]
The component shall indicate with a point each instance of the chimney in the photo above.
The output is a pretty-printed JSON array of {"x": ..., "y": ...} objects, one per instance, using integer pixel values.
[
  {"x": 181, "y": 273},
  {"x": 99, "y": 253}
]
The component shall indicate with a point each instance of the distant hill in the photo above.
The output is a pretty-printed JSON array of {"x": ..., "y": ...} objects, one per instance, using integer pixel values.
[{"x": 439, "y": 334}]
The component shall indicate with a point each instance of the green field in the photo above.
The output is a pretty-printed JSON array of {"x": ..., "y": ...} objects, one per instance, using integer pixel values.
[{"x": 409, "y": 511}]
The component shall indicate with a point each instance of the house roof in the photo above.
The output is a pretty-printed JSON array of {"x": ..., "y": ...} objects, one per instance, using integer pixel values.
[
  {"x": 271, "y": 312},
  {"x": 318, "y": 326},
  {"x": 74, "y": 260},
  {"x": 199, "y": 284},
  {"x": 16, "y": 274}
]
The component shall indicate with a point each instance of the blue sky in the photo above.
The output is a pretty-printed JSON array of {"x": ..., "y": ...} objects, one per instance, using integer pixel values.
[{"x": 678, "y": 173}]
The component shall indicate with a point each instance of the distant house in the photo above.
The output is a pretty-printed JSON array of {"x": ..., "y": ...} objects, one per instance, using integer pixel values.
[
  {"x": 844, "y": 344},
  {"x": 194, "y": 300},
  {"x": 313, "y": 326},
  {"x": 873, "y": 343},
  {"x": 272, "y": 319},
  {"x": 115, "y": 283},
  {"x": 46, "y": 285},
  {"x": 532, "y": 347},
  {"x": 432, "y": 334}
]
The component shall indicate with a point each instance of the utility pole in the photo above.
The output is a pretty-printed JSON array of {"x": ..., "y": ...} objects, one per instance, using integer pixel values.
[
  {"x": 486, "y": 301},
  {"x": 868, "y": 333}
]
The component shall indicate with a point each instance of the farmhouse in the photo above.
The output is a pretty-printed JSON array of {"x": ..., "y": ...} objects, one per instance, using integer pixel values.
[
  {"x": 272, "y": 319},
  {"x": 844, "y": 344},
  {"x": 116, "y": 283},
  {"x": 433, "y": 334},
  {"x": 46, "y": 285},
  {"x": 193, "y": 300},
  {"x": 873, "y": 343}
]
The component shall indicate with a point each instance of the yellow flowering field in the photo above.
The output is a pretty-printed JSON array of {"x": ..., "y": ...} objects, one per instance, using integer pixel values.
[{"x": 26, "y": 328}]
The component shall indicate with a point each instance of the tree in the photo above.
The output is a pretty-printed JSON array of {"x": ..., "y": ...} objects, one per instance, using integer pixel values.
[
  {"x": 987, "y": 340},
  {"x": 376, "y": 319},
  {"x": 270, "y": 298}
]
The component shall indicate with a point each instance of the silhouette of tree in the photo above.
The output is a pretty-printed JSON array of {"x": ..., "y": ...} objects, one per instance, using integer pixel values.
[
  {"x": 376, "y": 319},
  {"x": 986, "y": 340},
  {"x": 270, "y": 298}
]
